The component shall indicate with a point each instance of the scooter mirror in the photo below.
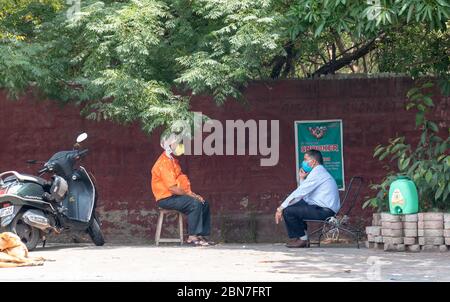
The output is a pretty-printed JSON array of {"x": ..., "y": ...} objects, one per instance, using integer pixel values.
[{"x": 82, "y": 137}]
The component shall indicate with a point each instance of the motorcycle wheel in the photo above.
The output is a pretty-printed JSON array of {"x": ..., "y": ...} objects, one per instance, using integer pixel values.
[
  {"x": 28, "y": 234},
  {"x": 95, "y": 233}
]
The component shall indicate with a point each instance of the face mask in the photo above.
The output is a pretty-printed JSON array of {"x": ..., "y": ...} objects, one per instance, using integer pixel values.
[
  {"x": 306, "y": 167},
  {"x": 179, "y": 150}
]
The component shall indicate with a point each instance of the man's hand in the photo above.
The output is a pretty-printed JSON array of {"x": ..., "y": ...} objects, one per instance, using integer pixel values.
[
  {"x": 177, "y": 190},
  {"x": 198, "y": 197},
  {"x": 302, "y": 174},
  {"x": 278, "y": 215}
]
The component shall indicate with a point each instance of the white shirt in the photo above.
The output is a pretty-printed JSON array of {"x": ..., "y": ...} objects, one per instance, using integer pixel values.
[{"x": 319, "y": 188}]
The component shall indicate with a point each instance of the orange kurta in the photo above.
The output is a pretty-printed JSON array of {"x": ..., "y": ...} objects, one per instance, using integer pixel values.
[{"x": 166, "y": 173}]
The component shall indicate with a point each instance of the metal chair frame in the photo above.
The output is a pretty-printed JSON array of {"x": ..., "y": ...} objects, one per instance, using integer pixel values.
[{"x": 333, "y": 225}]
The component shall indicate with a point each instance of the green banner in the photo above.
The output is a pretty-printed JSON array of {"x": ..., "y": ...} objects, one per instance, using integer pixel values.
[{"x": 325, "y": 136}]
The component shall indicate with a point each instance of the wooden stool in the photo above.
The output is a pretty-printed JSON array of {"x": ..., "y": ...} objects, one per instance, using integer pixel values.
[{"x": 158, "y": 238}]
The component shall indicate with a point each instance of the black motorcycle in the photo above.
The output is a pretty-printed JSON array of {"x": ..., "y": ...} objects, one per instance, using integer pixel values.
[{"x": 33, "y": 207}]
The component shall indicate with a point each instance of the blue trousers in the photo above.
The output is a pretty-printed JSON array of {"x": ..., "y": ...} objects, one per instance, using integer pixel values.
[
  {"x": 199, "y": 218},
  {"x": 295, "y": 215}
]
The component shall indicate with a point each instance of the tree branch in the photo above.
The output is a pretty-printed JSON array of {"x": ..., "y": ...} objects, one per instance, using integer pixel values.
[
  {"x": 345, "y": 60},
  {"x": 283, "y": 64}
]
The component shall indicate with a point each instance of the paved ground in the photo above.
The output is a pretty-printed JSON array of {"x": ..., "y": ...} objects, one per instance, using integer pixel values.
[{"x": 230, "y": 262}]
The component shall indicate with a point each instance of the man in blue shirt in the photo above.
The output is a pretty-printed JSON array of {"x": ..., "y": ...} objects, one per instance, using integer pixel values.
[{"x": 316, "y": 198}]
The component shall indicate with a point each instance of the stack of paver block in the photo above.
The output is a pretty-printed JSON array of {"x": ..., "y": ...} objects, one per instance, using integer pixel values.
[
  {"x": 413, "y": 232},
  {"x": 392, "y": 232},
  {"x": 430, "y": 231},
  {"x": 447, "y": 229},
  {"x": 374, "y": 238},
  {"x": 410, "y": 232}
]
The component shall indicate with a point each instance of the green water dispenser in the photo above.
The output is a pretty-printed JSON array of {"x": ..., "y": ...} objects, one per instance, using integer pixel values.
[{"x": 403, "y": 197}]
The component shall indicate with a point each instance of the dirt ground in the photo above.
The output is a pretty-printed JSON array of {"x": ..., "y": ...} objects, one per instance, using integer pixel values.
[{"x": 229, "y": 262}]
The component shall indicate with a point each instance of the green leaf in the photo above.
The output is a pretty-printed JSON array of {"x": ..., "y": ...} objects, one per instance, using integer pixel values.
[
  {"x": 421, "y": 107},
  {"x": 410, "y": 10},
  {"x": 430, "y": 16},
  {"x": 412, "y": 91},
  {"x": 436, "y": 139},
  {"x": 404, "y": 7},
  {"x": 413, "y": 167},
  {"x": 443, "y": 3},
  {"x": 419, "y": 118},
  {"x": 400, "y": 163},
  {"x": 439, "y": 192},
  {"x": 410, "y": 105},
  {"x": 405, "y": 163},
  {"x": 443, "y": 148},
  {"x": 319, "y": 29},
  {"x": 445, "y": 195},
  {"x": 423, "y": 138},
  {"x": 428, "y": 176},
  {"x": 398, "y": 139},
  {"x": 397, "y": 148},
  {"x": 433, "y": 126},
  {"x": 368, "y": 202},
  {"x": 428, "y": 85},
  {"x": 416, "y": 176},
  {"x": 383, "y": 156},
  {"x": 428, "y": 101},
  {"x": 378, "y": 150},
  {"x": 416, "y": 97},
  {"x": 440, "y": 158},
  {"x": 388, "y": 17}
]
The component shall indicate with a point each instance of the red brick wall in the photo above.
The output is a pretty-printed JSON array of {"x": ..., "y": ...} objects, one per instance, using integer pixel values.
[{"x": 242, "y": 194}]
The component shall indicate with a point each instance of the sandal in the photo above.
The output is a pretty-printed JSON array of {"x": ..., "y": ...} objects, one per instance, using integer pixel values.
[
  {"x": 208, "y": 241},
  {"x": 197, "y": 243}
]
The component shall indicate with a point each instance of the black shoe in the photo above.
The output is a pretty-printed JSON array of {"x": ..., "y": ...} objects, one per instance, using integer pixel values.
[{"x": 298, "y": 243}]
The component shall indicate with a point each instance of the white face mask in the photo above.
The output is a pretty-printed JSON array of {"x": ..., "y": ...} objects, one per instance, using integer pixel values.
[{"x": 179, "y": 150}]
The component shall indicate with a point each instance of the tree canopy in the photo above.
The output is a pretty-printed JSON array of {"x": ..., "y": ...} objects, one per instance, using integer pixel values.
[{"x": 131, "y": 60}]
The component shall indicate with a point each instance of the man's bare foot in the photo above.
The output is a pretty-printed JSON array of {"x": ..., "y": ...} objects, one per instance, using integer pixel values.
[{"x": 192, "y": 238}]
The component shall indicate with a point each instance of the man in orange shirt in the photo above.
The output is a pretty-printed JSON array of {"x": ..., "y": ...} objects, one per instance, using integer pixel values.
[{"x": 172, "y": 191}]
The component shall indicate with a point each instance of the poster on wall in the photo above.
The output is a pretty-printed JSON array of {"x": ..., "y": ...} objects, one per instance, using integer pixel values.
[{"x": 325, "y": 136}]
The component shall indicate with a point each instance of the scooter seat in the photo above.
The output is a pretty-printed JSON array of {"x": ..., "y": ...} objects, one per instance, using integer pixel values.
[
  {"x": 25, "y": 178},
  {"x": 36, "y": 179}
]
